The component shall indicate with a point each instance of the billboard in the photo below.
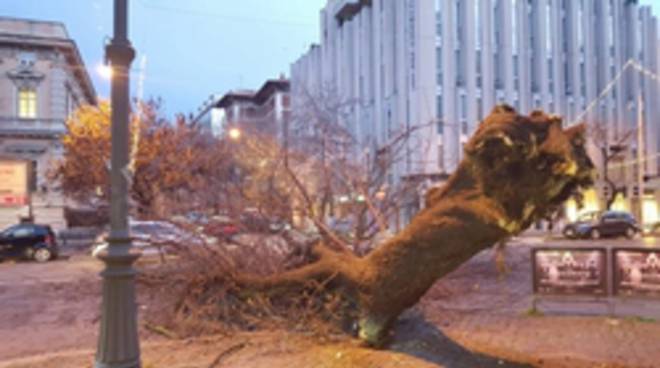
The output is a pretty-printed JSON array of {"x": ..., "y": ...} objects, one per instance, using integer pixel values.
[
  {"x": 13, "y": 183},
  {"x": 637, "y": 272},
  {"x": 572, "y": 271}
]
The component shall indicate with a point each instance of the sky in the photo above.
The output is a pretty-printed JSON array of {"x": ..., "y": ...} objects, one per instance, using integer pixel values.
[{"x": 192, "y": 48}]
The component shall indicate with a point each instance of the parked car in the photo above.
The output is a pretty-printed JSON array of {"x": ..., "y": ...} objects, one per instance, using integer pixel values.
[
  {"x": 596, "y": 225},
  {"x": 222, "y": 227},
  {"x": 149, "y": 236},
  {"x": 253, "y": 221},
  {"x": 29, "y": 241}
]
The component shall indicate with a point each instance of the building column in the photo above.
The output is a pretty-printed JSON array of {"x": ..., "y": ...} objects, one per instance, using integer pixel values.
[
  {"x": 487, "y": 56},
  {"x": 451, "y": 131}
]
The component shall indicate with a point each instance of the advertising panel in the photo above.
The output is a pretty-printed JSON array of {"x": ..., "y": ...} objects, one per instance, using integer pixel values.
[
  {"x": 637, "y": 272},
  {"x": 13, "y": 183},
  {"x": 570, "y": 271}
]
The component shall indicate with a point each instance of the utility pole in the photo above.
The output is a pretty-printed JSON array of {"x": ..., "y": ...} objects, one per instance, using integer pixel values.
[
  {"x": 640, "y": 157},
  {"x": 118, "y": 344}
]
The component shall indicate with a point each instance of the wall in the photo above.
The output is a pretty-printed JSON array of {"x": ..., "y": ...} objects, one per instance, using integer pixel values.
[{"x": 58, "y": 94}]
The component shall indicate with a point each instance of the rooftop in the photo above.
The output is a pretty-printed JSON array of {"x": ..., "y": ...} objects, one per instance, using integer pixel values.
[
  {"x": 33, "y": 28},
  {"x": 27, "y": 33},
  {"x": 245, "y": 95}
]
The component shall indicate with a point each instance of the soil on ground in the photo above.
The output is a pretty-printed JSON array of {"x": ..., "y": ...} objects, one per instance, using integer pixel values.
[{"x": 475, "y": 317}]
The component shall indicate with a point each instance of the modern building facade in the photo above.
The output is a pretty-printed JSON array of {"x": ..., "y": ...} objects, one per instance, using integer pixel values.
[
  {"x": 568, "y": 57},
  {"x": 561, "y": 56},
  {"x": 267, "y": 110},
  {"x": 42, "y": 80},
  {"x": 377, "y": 58}
]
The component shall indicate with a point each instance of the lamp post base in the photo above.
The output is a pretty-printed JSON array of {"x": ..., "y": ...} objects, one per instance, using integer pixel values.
[{"x": 118, "y": 345}]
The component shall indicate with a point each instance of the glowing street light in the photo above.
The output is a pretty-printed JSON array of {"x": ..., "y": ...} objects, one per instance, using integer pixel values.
[
  {"x": 105, "y": 71},
  {"x": 235, "y": 134}
]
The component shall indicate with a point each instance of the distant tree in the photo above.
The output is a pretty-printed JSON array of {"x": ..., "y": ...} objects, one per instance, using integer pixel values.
[
  {"x": 83, "y": 171},
  {"x": 171, "y": 160},
  {"x": 347, "y": 175}
]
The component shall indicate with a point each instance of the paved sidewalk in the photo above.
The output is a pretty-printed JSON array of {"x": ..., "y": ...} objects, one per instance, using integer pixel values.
[{"x": 490, "y": 314}]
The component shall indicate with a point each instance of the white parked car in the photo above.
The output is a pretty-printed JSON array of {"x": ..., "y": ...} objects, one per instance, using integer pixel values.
[{"x": 151, "y": 236}]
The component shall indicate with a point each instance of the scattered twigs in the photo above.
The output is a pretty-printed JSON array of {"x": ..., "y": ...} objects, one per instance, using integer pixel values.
[{"x": 226, "y": 353}]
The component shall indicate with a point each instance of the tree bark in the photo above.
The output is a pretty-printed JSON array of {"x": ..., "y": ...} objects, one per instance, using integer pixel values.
[{"x": 517, "y": 169}]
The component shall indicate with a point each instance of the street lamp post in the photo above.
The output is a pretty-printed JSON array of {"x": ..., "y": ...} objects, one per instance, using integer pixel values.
[{"x": 118, "y": 344}]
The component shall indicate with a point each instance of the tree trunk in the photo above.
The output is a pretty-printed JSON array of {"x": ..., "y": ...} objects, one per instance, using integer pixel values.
[{"x": 517, "y": 170}]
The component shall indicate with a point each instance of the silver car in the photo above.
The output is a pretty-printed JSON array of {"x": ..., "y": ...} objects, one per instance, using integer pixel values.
[{"x": 151, "y": 237}]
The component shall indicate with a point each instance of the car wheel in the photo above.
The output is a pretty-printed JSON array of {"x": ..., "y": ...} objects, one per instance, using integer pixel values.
[
  {"x": 42, "y": 255},
  {"x": 630, "y": 232},
  {"x": 595, "y": 234}
]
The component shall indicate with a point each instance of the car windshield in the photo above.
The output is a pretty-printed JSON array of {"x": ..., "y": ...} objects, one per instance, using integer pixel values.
[{"x": 8, "y": 230}]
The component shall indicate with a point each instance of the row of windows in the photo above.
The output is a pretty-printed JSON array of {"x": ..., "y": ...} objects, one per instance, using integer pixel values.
[{"x": 566, "y": 15}]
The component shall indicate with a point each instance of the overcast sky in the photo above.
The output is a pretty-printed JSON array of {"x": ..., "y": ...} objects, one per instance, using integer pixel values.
[{"x": 193, "y": 48}]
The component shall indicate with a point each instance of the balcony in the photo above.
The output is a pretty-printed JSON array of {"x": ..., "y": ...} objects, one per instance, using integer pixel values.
[{"x": 14, "y": 126}]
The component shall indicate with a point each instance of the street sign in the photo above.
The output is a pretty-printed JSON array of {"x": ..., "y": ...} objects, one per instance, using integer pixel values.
[
  {"x": 636, "y": 272},
  {"x": 13, "y": 183},
  {"x": 570, "y": 271}
]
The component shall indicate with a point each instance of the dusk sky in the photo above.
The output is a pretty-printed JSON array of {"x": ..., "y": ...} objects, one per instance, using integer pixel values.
[{"x": 193, "y": 48}]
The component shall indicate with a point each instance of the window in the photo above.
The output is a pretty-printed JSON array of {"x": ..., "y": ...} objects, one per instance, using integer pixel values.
[
  {"x": 441, "y": 158},
  {"x": 22, "y": 232},
  {"x": 438, "y": 19},
  {"x": 440, "y": 112},
  {"x": 459, "y": 69},
  {"x": 480, "y": 109},
  {"x": 514, "y": 25},
  {"x": 477, "y": 15},
  {"x": 27, "y": 103},
  {"x": 548, "y": 29},
  {"x": 441, "y": 127}
]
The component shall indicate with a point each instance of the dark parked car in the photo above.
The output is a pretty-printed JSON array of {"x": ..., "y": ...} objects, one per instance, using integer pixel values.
[
  {"x": 596, "y": 225},
  {"x": 29, "y": 241}
]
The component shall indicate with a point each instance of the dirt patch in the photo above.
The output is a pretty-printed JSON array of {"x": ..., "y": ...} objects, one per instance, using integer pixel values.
[
  {"x": 50, "y": 319},
  {"x": 48, "y": 307},
  {"x": 472, "y": 318},
  {"x": 273, "y": 349}
]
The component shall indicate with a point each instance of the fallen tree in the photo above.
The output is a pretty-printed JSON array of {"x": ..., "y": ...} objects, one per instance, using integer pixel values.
[{"x": 517, "y": 169}]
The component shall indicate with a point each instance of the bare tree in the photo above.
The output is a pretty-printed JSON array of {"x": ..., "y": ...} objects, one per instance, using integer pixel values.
[
  {"x": 610, "y": 151},
  {"x": 352, "y": 175}
]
